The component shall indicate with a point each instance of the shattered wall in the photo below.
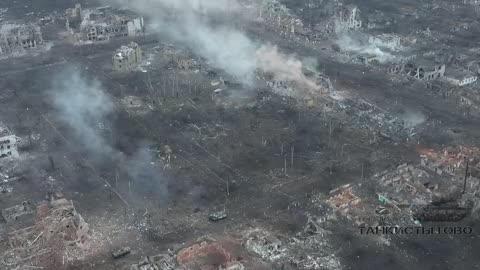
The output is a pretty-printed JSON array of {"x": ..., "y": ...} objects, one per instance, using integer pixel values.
[
  {"x": 127, "y": 58},
  {"x": 347, "y": 18},
  {"x": 185, "y": 63},
  {"x": 102, "y": 24},
  {"x": 58, "y": 236},
  {"x": 73, "y": 17},
  {"x": 12, "y": 214},
  {"x": 8, "y": 143},
  {"x": 8, "y": 146},
  {"x": 390, "y": 41},
  {"x": 17, "y": 39},
  {"x": 278, "y": 16},
  {"x": 419, "y": 72}
]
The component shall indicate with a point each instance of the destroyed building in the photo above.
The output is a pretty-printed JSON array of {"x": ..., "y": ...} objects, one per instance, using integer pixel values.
[
  {"x": 347, "y": 18},
  {"x": 8, "y": 143},
  {"x": 460, "y": 77},
  {"x": 420, "y": 70},
  {"x": 185, "y": 63},
  {"x": 158, "y": 262},
  {"x": 73, "y": 17},
  {"x": 57, "y": 237},
  {"x": 127, "y": 58},
  {"x": 13, "y": 213},
  {"x": 390, "y": 41},
  {"x": 367, "y": 59},
  {"x": 102, "y": 24},
  {"x": 17, "y": 39},
  {"x": 451, "y": 160},
  {"x": 281, "y": 19}
]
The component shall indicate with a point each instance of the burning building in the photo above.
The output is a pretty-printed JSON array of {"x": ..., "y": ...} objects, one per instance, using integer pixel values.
[
  {"x": 17, "y": 39},
  {"x": 127, "y": 58},
  {"x": 102, "y": 24}
]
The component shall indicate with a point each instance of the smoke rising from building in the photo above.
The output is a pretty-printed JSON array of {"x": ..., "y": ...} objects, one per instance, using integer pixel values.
[
  {"x": 84, "y": 107},
  {"x": 349, "y": 43},
  {"x": 223, "y": 46}
]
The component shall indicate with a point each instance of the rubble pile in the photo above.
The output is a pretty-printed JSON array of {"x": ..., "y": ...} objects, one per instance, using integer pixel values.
[
  {"x": 376, "y": 121},
  {"x": 127, "y": 58},
  {"x": 12, "y": 214},
  {"x": 265, "y": 245},
  {"x": 451, "y": 160},
  {"x": 102, "y": 24},
  {"x": 19, "y": 39},
  {"x": 59, "y": 236},
  {"x": 406, "y": 184},
  {"x": 344, "y": 201},
  {"x": 158, "y": 262},
  {"x": 6, "y": 183},
  {"x": 306, "y": 250}
]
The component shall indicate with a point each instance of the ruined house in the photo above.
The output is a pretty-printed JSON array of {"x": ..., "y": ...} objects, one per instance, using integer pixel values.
[
  {"x": 420, "y": 70},
  {"x": 73, "y": 17},
  {"x": 8, "y": 143},
  {"x": 205, "y": 255},
  {"x": 347, "y": 18},
  {"x": 424, "y": 72},
  {"x": 102, "y": 24},
  {"x": 58, "y": 236},
  {"x": 460, "y": 77},
  {"x": 451, "y": 160},
  {"x": 127, "y": 58},
  {"x": 367, "y": 59},
  {"x": 265, "y": 245},
  {"x": 285, "y": 87},
  {"x": 14, "y": 213},
  {"x": 17, "y": 39},
  {"x": 390, "y": 41},
  {"x": 185, "y": 63},
  {"x": 280, "y": 18}
]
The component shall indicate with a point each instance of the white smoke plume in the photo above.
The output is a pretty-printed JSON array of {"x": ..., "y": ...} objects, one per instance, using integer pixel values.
[
  {"x": 223, "y": 46},
  {"x": 83, "y": 107},
  {"x": 347, "y": 43},
  {"x": 285, "y": 68}
]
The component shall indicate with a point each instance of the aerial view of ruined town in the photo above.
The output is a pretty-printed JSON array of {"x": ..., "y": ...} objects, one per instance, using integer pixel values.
[{"x": 239, "y": 134}]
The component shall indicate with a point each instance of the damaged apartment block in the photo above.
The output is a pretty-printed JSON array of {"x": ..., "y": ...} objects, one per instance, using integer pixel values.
[
  {"x": 347, "y": 18},
  {"x": 18, "y": 39},
  {"x": 8, "y": 143},
  {"x": 102, "y": 24},
  {"x": 127, "y": 58}
]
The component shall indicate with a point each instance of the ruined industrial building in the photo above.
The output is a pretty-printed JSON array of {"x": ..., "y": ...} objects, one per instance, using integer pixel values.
[{"x": 239, "y": 135}]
